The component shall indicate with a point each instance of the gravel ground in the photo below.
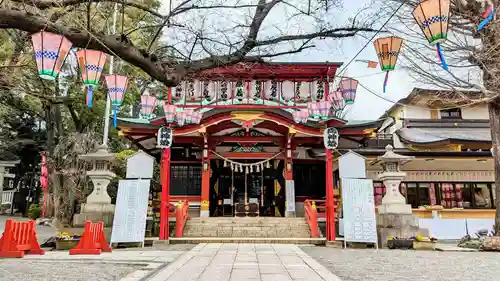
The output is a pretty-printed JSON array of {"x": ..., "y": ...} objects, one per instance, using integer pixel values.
[
  {"x": 397, "y": 265},
  {"x": 18, "y": 270}
]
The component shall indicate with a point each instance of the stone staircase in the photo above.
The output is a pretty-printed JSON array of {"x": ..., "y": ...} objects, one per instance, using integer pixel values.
[{"x": 247, "y": 230}]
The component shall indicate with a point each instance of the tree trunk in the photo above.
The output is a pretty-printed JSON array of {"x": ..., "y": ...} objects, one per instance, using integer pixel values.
[{"x": 494, "y": 110}]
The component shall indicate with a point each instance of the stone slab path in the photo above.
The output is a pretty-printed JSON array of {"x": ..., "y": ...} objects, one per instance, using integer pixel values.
[{"x": 244, "y": 262}]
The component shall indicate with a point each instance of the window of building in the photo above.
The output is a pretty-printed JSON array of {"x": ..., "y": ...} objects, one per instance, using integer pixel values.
[
  {"x": 478, "y": 195},
  {"x": 185, "y": 179},
  {"x": 454, "y": 113}
]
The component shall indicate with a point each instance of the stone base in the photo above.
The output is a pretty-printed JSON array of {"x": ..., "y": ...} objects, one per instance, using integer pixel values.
[
  {"x": 395, "y": 209},
  {"x": 97, "y": 208},
  {"x": 335, "y": 244},
  {"x": 397, "y": 225},
  {"x": 80, "y": 219},
  {"x": 204, "y": 213}
]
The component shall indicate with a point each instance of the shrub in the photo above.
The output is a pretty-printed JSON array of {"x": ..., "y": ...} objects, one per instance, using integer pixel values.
[{"x": 34, "y": 211}]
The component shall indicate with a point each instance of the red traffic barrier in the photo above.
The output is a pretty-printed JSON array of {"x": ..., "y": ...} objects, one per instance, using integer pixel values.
[
  {"x": 18, "y": 239},
  {"x": 93, "y": 241}
]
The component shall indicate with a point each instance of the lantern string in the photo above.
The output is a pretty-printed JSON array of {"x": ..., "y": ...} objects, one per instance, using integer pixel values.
[
  {"x": 89, "y": 96},
  {"x": 441, "y": 57},
  {"x": 487, "y": 17},
  {"x": 386, "y": 79}
]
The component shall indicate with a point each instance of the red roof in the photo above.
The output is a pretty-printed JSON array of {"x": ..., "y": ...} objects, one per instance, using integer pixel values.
[{"x": 269, "y": 71}]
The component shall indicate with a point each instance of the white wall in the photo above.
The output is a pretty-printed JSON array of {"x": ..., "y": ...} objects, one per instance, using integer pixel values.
[
  {"x": 411, "y": 112},
  {"x": 475, "y": 112}
]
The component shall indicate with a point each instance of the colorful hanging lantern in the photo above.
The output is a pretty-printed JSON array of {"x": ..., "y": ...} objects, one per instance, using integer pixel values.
[
  {"x": 196, "y": 117},
  {"x": 337, "y": 101},
  {"x": 148, "y": 105},
  {"x": 387, "y": 51},
  {"x": 170, "y": 111},
  {"x": 296, "y": 116},
  {"x": 313, "y": 108},
  {"x": 348, "y": 88},
  {"x": 117, "y": 86},
  {"x": 433, "y": 17},
  {"x": 181, "y": 119},
  {"x": 324, "y": 108},
  {"x": 91, "y": 64},
  {"x": 304, "y": 116},
  {"x": 188, "y": 115},
  {"x": 50, "y": 52}
]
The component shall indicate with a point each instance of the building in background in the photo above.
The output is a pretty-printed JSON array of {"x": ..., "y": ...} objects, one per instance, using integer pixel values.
[{"x": 449, "y": 135}]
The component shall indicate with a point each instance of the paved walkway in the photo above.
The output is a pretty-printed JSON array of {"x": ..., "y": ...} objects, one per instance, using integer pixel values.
[
  {"x": 399, "y": 265},
  {"x": 244, "y": 262}
]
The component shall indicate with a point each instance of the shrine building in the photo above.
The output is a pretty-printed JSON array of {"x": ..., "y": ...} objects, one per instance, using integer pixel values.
[{"x": 245, "y": 142}]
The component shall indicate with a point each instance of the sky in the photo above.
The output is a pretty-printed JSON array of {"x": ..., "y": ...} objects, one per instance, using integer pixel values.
[{"x": 367, "y": 105}]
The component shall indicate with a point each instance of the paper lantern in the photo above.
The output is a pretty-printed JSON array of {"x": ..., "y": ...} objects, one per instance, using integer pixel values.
[
  {"x": 181, "y": 119},
  {"x": 313, "y": 108},
  {"x": 348, "y": 88},
  {"x": 324, "y": 108},
  {"x": 388, "y": 51},
  {"x": 91, "y": 64},
  {"x": 188, "y": 115},
  {"x": 170, "y": 110},
  {"x": 433, "y": 17},
  {"x": 148, "y": 105},
  {"x": 337, "y": 101},
  {"x": 196, "y": 117},
  {"x": 50, "y": 52},
  {"x": 304, "y": 116},
  {"x": 297, "y": 117},
  {"x": 117, "y": 86}
]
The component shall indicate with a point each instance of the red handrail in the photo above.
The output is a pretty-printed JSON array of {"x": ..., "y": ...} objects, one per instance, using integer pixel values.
[
  {"x": 311, "y": 216},
  {"x": 181, "y": 216}
]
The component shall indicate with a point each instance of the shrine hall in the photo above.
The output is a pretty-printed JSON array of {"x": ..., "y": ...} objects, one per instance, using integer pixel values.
[{"x": 248, "y": 139}]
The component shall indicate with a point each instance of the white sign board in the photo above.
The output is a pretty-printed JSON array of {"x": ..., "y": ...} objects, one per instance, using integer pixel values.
[
  {"x": 129, "y": 223},
  {"x": 352, "y": 165},
  {"x": 140, "y": 166},
  {"x": 290, "y": 195},
  {"x": 360, "y": 224}
]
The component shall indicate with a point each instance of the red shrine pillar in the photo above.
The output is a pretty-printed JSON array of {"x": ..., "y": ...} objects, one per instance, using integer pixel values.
[
  {"x": 330, "y": 205},
  {"x": 205, "y": 182},
  {"x": 165, "y": 193}
]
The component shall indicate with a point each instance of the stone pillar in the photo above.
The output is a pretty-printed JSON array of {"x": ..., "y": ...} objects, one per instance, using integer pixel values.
[
  {"x": 165, "y": 193},
  {"x": 98, "y": 205},
  {"x": 395, "y": 218}
]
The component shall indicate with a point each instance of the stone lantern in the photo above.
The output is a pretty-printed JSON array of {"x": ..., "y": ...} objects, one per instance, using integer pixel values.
[
  {"x": 98, "y": 206},
  {"x": 393, "y": 202},
  {"x": 395, "y": 218}
]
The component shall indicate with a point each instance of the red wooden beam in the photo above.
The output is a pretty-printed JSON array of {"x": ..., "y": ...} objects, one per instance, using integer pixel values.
[
  {"x": 273, "y": 127},
  {"x": 238, "y": 139}
]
